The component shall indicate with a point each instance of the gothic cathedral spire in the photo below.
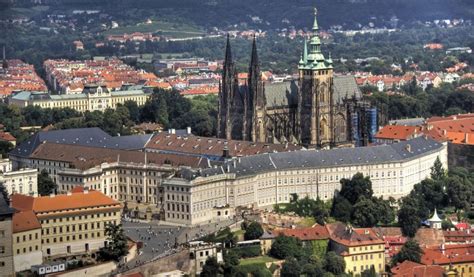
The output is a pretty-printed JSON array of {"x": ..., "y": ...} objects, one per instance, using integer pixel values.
[{"x": 226, "y": 94}]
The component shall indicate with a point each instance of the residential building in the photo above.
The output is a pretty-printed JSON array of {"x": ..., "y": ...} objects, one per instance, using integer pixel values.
[
  {"x": 199, "y": 251},
  {"x": 459, "y": 50},
  {"x": 266, "y": 179},
  {"x": 6, "y": 237},
  {"x": 7, "y": 137},
  {"x": 92, "y": 98},
  {"x": 452, "y": 257},
  {"x": 412, "y": 269},
  {"x": 317, "y": 236},
  {"x": 361, "y": 248},
  {"x": 27, "y": 249},
  {"x": 19, "y": 76},
  {"x": 72, "y": 223}
]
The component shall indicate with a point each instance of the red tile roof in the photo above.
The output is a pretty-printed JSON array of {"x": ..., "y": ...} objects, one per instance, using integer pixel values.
[
  {"x": 63, "y": 202},
  {"x": 412, "y": 269},
  {"x": 6, "y": 136},
  {"x": 350, "y": 237},
  {"x": 311, "y": 233},
  {"x": 397, "y": 132},
  {"x": 191, "y": 144},
  {"x": 25, "y": 221},
  {"x": 452, "y": 253}
]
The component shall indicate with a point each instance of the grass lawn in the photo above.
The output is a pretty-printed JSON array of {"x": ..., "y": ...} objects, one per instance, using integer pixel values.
[
  {"x": 257, "y": 260},
  {"x": 308, "y": 221}
]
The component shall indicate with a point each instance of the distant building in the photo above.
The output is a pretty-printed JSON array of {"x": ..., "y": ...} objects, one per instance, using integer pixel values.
[
  {"x": 93, "y": 98},
  {"x": 459, "y": 50},
  {"x": 395, "y": 133},
  {"x": 412, "y": 269},
  {"x": 452, "y": 257}
]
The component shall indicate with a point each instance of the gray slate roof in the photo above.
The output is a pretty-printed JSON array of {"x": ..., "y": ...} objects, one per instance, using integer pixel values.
[
  {"x": 286, "y": 93},
  {"x": 93, "y": 137},
  {"x": 251, "y": 165}
]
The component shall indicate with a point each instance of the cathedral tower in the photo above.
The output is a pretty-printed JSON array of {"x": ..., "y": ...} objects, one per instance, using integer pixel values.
[
  {"x": 315, "y": 97},
  {"x": 227, "y": 92},
  {"x": 256, "y": 99}
]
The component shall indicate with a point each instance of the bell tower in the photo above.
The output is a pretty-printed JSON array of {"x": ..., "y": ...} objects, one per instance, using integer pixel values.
[{"x": 315, "y": 97}]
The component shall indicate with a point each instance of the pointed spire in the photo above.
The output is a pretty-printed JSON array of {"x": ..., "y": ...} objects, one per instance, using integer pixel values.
[
  {"x": 315, "y": 23},
  {"x": 254, "y": 57},
  {"x": 228, "y": 51},
  {"x": 305, "y": 51}
]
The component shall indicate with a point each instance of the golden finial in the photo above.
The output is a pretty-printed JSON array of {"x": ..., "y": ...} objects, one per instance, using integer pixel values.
[{"x": 315, "y": 11}]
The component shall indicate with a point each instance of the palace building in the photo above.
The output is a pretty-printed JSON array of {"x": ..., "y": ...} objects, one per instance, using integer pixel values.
[{"x": 319, "y": 109}]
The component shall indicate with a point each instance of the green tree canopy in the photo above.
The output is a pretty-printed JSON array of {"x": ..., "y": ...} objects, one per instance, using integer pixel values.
[
  {"x": 253, "y": 231},
  {"x": 211, "y": 268},
  {"x": 411, "y": 251},
  {"x": 284, "y": 247},
  {"x": 291, "y": 268},
  {"x": 116, "y": 243},
  {"x": 46, "y": 185},
  {"x": 358, "y": 186}
]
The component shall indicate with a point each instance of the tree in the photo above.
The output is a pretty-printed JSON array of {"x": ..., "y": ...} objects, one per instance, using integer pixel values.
[
  {"x": 253, "y": 231},
  {"x": 4, "y": 193},
  {"x": 5, "y": 148},
  {"x": 358, "y": 186},
  {"x": 408, "y": 216},
  {"x": 46, "y": 185},
  {"x": 334, "y": 263},
  {"x": 291, "y": 268},
  {"x": 369, "y": 272},
  {"x": 411, "y": 251},
  {"x": 211, "y": 268},
  {"x": 437, "y": 171},
  {"x": 459, "y": 192},
  {"x": 284, "y": 247},
  {"x": 116, "y": 246},
  {"x": 231, "y": 260},
  {"x": 341, "y": 209},
  {"x": 365, "y": 213}
]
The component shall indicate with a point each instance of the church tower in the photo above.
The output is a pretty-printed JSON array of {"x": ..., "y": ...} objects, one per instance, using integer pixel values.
[
  {"x": 255, "y": 100},
  {"x": 315, "y": 97},
  {"x": 227, "y": 92}
]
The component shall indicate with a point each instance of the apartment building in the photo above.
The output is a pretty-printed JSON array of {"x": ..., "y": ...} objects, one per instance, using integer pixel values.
[
  {"x": 267, "y": 179},
  {"x": 27, "y": 250},
  {"x": 72, "y": 223},
  {"x": 360, "y": 248}
]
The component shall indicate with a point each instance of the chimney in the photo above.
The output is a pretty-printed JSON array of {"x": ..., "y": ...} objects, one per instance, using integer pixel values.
[
  {"x": 443, "y": 248},
  {"x": 225, "y": 152},
  {"x": 69, "y": 193},
  {"x": 52, "y": 195},
  {"x": 188, "y": 130},
  {"x": 466, "y": 138},
  {"x": 173, "y": 131},
  {"x": 86, "y": 190}
]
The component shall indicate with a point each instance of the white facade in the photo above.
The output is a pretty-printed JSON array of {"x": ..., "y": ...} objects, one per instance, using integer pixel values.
[
  {"x": 207, "y": 194},
  {"x": 23, "y": 181}
]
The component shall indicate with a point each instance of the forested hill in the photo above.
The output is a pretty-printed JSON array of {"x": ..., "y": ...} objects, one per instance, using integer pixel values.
[{"x": 221, "y": 13}]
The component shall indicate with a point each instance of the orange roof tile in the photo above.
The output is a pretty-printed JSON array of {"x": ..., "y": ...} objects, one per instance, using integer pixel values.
[
  {"x": 397, "y": 132},
  {"x": 63, "y": 202},
  {"x": 412, "y": 269},
  {"x": 311, "y": 233},
  {"x": 25, "y": 221}
]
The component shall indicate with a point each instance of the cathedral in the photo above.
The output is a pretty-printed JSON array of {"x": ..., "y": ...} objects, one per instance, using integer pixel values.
[{"x": 318, "y": 109}]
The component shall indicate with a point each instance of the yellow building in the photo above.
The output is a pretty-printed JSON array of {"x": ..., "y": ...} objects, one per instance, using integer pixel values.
[
  {"x": 72, "y": 223},
  {"x": 26, "y": 241},
  {"x": 361, "y": 248},
  {"x": 93, "y": 98}
]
